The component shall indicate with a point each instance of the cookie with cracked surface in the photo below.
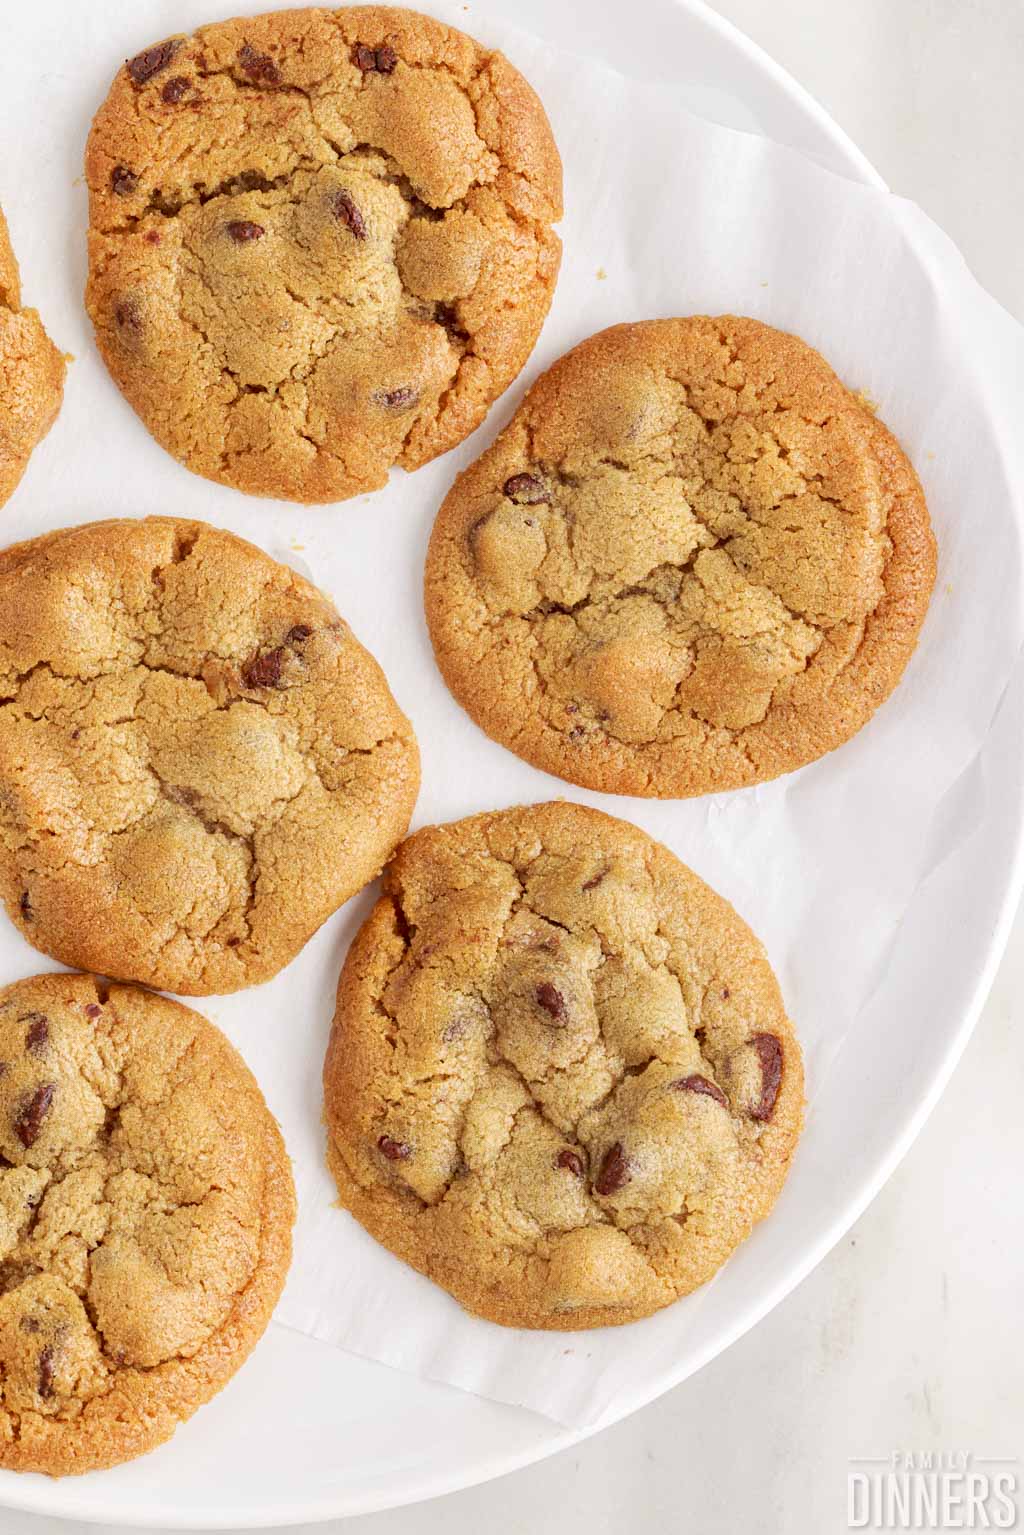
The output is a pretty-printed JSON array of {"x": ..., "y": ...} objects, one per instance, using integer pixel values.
[
  {"x": 31, "y": 374},
  {"x": 198, "y": 761},
  {"x": 320, "y": 243},
  {"x": 561, "y": 1080},
  {"x": 692, "y": 561},
  {"x": 146, "y": 1207}
]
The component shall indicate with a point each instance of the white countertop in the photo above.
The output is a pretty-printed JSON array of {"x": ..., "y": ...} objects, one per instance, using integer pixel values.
[{"x": 907, "y": 1336}]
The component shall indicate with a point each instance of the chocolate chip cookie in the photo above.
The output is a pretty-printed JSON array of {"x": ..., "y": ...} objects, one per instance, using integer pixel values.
[
  {"x": 198, "y": 761},
  {"x": 693, "y": 561},
  {"x": 146, "y": 1207},
  {"x": 31, "y": 374},
  {"x": 561, "y": 1080},
  {"x": 320, "y": 243}
]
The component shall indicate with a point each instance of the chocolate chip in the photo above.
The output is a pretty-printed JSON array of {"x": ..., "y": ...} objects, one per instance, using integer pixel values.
[
  {"x": 47, "y": 1370},
  {"x": 38, "y": 1032},
  {"x": 152, "y": 237},
  {"x": 526, "y": 490},
  {"x": 596, "y": 879},
  {"x": 258, "y": 66},
  {"x": 123, "y": 181},
  {"x": 698, "y": 1084},
  {"x": 725, "y": 993},
  {"x": 300, "y": 632},
  {"x": 4, "y": 1068},
  {"x": 149, "y": 63},
  {"x": 175, "y": 89},
  {"x": 395, "y": 1151},
  {"x": 572, "y": 1161},
  {"x": 379, "y": 61},
  {"x": 92, "y": 1010},
  {"x": 397, "y": 399},
  {"x": 128, "y": 316},
  {"x": 31, "y": 1113},
  {"x": 25, "y": 906},
  {"x": 345, "y": 211},
  {"x": 769, "y": 1055},
  {"x": 243, "y": 230},
  {"x": 445, "y": 316},
  {"x": 264, "y": 671},
  {"x": 614, "y": 1171},
  {"x": 551, "y": 1000},
  {"x": 31, "y": 1324}
]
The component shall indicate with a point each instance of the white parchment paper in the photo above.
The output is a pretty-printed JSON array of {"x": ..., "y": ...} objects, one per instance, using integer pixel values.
[{"x": 666, "y": 214}]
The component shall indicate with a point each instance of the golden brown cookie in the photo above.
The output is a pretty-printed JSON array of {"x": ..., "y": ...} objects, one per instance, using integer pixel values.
[
  {"x": 692, "y": 561},
  {"x": 561, "y": 1080},
  {"x": 146, "y": 1206},
  {"x": 198, "y": 761},
  {"x": 31, "y": 374},
  {"x": 320, "y": 243}
]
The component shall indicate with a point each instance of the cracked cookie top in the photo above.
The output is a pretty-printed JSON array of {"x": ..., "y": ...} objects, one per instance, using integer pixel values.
[
  {"x": 320, "y": 243},
  {"x": 146, "y": 1207},
  {"x": 692, "y": 561},
  {"x": 31, "y": 374},
  {"x": 198, "y": 761},
  {"x": 561, "y": 1080}
]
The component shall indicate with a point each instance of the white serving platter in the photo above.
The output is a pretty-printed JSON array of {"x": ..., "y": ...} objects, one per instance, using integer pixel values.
[{"x": 306, "y": 1431}]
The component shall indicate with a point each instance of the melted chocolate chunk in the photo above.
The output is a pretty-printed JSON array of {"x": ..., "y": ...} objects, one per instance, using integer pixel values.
[
  {"x": 47, "y": 1371},
  {"x": 264, "y": 670},
  {"x": 149, "y": 63},
  {"x": 551, "y": 1000},
  {"x": 123, "y": 181},
  {"x": 571, "y": 1161},
  {"x": 175, "y": 89},
  {"x": 380, "y": 61},
  {"x": 37, "y": 1034},
  {"x": 32, "y": 1111},
  {"x": 397, "y": 399},
  {"x": 526, "y": 490},
  {"x": 769, "y": 1055},
  {"x": 395, "y": 1151},
  {"x": 242, "y": 231},
  {"x": 128, "y": 316},
  {"x": 698, "y": 1084},
  {"x": 258, "y": 66},
  {"x": 614, "y": 1172},
  {"x": 345, "y": 211}
]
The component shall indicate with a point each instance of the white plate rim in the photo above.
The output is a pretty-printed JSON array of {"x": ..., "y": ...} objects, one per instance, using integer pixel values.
[{"x": 39, "y": 1495}]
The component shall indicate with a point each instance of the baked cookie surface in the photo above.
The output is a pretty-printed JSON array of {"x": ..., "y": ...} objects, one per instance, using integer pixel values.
[
  {"x": 692, "y": 561},
  {"x": 198, "y": 761},
  {"x": 561, "y": 1080},
  {"x": 31, "y": 374},
  {"x": 320, "y": 243},
  {"x": 146, "y": 1206}
]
